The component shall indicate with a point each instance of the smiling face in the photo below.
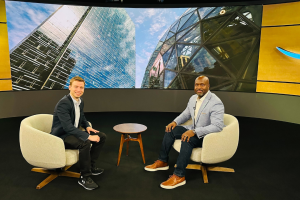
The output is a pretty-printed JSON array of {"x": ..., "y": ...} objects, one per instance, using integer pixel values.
[
  {"x": 201, "y": 86},
  {"x": 76, "y": 89}
]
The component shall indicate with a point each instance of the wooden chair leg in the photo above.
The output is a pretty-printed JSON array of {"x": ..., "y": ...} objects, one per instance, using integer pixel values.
[
  {"x": 70, "y": 174},
  {"x": 42, "y": 170},
  {"x": 54, "y": 174},
  {"x": 120, "y": 149},
  {"x": 141, "y": 146},
  {"x": 193, "y": 166},
  {"x": 46, "y": 181},
  {"x": 220, "y": 169},
  {"x": 66, "y": 168},
  {"x": 204, "y": 170},
  {"x": 204, "y": 174}
]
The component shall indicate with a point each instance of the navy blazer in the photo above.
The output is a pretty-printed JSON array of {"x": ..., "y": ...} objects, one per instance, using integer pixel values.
[{"x": 64, "y": 118}]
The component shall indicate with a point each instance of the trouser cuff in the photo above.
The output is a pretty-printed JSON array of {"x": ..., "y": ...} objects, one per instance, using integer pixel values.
[
  {"x": 179, "y": 175},
  {"x": 162, "y": 160},
  {"x": 86, "y": 174}
]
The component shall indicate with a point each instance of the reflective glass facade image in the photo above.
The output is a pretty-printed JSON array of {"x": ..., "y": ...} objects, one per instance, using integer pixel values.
[
  {"x": 98, "y": 44},
  {"x": 221, "y": 43}
]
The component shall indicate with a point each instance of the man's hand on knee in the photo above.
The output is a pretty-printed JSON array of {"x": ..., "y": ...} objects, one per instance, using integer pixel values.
[
  {"x": 171, "y": 126},
  {"x": 90, "y": 129},
  {"x": 94, "y": 138},
  {"x": 187, "y": 135}
]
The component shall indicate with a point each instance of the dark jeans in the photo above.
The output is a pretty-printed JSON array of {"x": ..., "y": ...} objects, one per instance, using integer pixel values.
[
  {"x": 87, "y": 154},
  {"x": 185, "y": 151}
]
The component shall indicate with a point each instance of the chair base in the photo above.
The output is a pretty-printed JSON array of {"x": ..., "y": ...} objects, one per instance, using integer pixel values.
[
  {"x": 204, "y": 170},
  {"x": 54, "y": 174}
]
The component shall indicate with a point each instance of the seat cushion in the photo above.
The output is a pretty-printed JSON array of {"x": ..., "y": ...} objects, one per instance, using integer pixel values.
[
  {"x": 72, "y": 156},
  {"x": 196, "y": 153}
]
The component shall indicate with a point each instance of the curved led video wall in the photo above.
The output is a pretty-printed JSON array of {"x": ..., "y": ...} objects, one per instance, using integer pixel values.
[
  {"x": 112, "y": 47},
  {"x": 43, "y": 46}
]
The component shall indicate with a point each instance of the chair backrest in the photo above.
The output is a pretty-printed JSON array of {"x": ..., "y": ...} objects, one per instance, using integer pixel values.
[
  {"x": 221, "y": 146},
  {"x": 38, "y": 147},
  {"x": 229, "y": 119},
  {"x": 41, "y": 122}
]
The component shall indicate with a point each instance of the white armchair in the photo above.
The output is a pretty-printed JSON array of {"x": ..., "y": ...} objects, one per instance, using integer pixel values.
[
  {"x": 46, "y": 151},
  {"x": 216, "y": 147}
]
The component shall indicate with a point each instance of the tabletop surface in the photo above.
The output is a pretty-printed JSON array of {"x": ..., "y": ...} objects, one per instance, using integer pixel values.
[{"x": 130, "y": 128}]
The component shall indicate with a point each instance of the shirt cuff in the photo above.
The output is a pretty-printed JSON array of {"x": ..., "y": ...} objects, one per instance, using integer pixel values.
[{"x": 198, "y": 132}]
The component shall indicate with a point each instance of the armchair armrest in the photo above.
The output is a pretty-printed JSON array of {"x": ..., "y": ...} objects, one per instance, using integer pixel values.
[
  {"x": 41, "y": 149},
  {"x": 221, "y": 146}
]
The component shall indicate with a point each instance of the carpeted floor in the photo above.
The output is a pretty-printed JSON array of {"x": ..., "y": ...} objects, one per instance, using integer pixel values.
[{"x": 266, "y": 164}]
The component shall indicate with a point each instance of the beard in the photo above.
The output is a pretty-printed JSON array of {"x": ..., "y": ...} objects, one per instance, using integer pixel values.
[{"x": 200, "y": 95}]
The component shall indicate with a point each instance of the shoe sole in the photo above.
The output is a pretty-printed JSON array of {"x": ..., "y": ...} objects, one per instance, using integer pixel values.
[
  {"x": 97, "y": 174},
  {"x": 172, "y": 187},
  {"x": 86, "y": 187},
  {"x": 156, "y": 169}
]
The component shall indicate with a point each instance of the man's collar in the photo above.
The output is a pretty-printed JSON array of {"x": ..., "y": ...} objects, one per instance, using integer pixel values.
[
  {"x": 74, "y": 100},
  {"x": 202, "y": 98}
]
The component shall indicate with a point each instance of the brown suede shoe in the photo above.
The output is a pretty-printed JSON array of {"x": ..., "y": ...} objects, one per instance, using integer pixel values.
[
  {"x": 158, "y": 165},
  {"x": 173, "y": 182}
]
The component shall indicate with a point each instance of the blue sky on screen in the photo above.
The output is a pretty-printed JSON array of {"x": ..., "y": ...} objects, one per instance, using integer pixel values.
[
  {"x": 150, "y": 25},
  {"x": 23, "y": 18}
]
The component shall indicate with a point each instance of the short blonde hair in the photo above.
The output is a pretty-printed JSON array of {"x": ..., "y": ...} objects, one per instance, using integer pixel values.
[{"x": 76, "y": 78}]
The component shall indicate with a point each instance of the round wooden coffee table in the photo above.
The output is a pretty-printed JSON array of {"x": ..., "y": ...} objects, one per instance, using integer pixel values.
[{"x": 127, "y": 129}]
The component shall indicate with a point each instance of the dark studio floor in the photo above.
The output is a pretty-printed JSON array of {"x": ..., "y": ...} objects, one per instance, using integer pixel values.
[{"x": 266, "y": 164}]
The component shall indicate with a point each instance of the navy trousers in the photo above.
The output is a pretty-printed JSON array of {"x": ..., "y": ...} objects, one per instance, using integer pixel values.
[
  {"x": 87, "y": 154},
  {"x": 185, "y": 151}
]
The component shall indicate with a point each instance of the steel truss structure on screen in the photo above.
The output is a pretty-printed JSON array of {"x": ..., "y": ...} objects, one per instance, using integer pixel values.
[{"x": 221, "y": 43}]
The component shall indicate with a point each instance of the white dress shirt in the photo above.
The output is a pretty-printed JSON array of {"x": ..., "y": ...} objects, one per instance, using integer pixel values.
[
  {"x": 77, "y": 111},
  {"x": 198, "y": 104}
]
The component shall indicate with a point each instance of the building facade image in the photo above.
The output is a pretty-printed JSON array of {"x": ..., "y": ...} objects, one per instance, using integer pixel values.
[
  {"x": 221, "y": 43},
  {"x": 95, "y": 43}
]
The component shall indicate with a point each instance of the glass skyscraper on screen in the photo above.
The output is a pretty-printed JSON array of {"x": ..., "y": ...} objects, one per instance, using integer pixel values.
[
  {"x": 98, "y": 44},
  {"x": 221, "y": 43}
]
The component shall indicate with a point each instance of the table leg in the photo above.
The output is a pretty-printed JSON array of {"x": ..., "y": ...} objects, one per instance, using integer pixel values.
[
  {"x": 121, "y": 147},
  {"x": 141, "y": 146},
  {"x": 127, "y": 144}
]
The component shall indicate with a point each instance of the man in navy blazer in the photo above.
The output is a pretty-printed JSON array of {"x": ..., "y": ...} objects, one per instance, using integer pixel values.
[
  {"x": 206, "y": 111},
  {"x": 67, "y": 118}
]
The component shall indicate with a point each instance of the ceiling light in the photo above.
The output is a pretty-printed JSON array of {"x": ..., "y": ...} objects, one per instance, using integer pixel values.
[{"x": 222, "y": 12}]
